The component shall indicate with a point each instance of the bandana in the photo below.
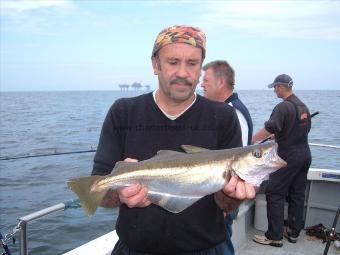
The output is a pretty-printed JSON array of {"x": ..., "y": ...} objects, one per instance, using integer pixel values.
[{"x": 180, "y": 34}]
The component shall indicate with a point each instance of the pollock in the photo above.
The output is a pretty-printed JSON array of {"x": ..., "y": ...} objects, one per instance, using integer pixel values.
[{"x": 176, "y": 180}]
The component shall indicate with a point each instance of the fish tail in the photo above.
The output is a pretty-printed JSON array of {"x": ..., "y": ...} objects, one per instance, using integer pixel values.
[{"x": 82, "y": 187}]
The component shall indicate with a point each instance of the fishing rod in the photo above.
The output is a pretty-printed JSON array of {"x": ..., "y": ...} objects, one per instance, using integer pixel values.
[
  {"x": 270, "y": 137},
  {"x": 47, "y": 154},
  {"x": 314, "y": 114},
  {"x": 332, "y": 234}
]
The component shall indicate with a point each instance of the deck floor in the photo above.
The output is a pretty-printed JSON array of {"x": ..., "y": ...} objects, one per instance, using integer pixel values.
[{"x": 304, "y": 246}]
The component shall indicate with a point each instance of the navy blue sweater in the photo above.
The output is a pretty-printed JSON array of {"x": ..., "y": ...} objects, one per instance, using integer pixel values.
[{"x": 136, "y": 128}]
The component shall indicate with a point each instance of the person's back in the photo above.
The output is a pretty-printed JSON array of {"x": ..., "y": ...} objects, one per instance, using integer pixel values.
[
  {"x": 296, "y": 125},
  {"x": 290, "y": 122}
]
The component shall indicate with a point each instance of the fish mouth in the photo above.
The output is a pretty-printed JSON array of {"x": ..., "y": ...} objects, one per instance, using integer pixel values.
[
  {"x": 281, "y": 162},
  {"x": 275, "y": 159}
]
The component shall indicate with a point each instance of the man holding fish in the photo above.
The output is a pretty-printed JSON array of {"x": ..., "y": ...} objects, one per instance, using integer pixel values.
[{"x": 171, "y": 202}]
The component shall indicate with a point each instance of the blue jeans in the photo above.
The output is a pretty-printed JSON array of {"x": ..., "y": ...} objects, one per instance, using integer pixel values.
[{"x": 228, "y": 245}]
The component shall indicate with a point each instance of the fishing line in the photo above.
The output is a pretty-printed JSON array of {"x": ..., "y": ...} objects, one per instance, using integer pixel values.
[{"x": 45, "y": 155}]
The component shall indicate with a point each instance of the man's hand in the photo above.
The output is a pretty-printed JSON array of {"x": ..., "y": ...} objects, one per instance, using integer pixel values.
[
  {"x": 135, "y": 195},
  {"x": 239, "y": 189},
  {"x": 232, "y": 194}
]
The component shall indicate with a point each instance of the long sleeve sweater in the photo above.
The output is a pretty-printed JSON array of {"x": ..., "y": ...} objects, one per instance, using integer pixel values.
[{"x": 137, "y": 128}]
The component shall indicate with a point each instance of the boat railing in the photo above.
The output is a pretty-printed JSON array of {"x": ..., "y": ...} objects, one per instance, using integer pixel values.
[
  {"x": 324, "y": 145},
  {"x": 23, "y": 221}
]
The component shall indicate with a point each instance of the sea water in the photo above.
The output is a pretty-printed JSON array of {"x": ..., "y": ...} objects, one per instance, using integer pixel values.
[{"x": 46, "y": 122}]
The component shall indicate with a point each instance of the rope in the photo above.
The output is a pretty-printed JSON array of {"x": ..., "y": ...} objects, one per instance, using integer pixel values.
[
  {"x": 72, "y": 204},
  {"x": 4, "y": 245}
]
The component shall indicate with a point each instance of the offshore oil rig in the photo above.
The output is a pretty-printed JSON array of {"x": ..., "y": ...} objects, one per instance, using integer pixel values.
[{"x": 134, "y": 86}]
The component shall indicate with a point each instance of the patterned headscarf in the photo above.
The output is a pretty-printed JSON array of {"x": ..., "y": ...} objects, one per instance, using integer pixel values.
[{"x": 180, "y": 34}]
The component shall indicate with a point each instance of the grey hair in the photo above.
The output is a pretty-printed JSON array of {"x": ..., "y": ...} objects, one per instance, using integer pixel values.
[{"x": 221, "y": 68}]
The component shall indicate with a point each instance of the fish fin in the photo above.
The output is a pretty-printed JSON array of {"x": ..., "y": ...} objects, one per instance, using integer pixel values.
[
  {"x": 168, "y": 153},
  {"x": 121, "y": 163},
  {"x": 82, "y": 187},
  {"x": 172, "y": 203},
  {"x": 193, "y": 149}
]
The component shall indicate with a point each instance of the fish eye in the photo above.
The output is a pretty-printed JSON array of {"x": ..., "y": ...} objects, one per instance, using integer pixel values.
[{"x": 257, "y": 154}]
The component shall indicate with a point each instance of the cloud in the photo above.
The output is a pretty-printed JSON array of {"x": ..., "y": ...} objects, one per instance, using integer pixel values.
[
  {"x": 32, "y": 16},
  {"x": 13, "y": 6},
  {"x": 298, "y": 19}
]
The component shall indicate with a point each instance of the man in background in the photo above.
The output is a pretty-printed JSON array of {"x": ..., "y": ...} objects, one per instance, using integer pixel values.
[
  {"x": 290, "y": 122},
  {"x": 218, "y": 84}
]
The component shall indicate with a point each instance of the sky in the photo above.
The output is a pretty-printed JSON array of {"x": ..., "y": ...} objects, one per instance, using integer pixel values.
[{"x": 52, "y": 45}]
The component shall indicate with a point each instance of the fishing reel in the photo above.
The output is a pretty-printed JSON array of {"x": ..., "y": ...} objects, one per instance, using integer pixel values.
[
  {"x": 327, "y": 235},
  {"x": 323, "y": 233}
]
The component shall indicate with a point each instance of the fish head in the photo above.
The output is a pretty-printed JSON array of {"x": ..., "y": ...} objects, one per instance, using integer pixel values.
[{"x": 254, "y": 163}]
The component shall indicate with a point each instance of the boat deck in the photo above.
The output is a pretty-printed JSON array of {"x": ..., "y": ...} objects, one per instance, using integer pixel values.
[{"x": 305, "y": 245}]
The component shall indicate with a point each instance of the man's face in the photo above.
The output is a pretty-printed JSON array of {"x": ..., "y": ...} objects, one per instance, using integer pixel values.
[
  {"x": 210, "y": 85},
  {"x": 178, "y": 70},
  {"x": 277, "y": 90}
]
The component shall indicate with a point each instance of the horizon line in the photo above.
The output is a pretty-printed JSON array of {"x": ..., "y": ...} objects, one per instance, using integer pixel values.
[{"x": 150, "y": 90}]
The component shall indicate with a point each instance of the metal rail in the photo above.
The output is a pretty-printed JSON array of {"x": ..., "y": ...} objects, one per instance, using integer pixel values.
[
  {"x": 23, "y": 221},
  {"x": 324, "y": 145}
]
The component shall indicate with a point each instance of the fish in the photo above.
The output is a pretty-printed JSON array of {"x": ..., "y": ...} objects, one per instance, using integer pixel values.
[{"x": 176, "y": 180}]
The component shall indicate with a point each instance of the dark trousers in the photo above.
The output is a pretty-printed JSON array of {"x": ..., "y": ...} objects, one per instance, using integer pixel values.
[
  {"x": 121, "y": 249},
  {"x": 289, "y": 182}
]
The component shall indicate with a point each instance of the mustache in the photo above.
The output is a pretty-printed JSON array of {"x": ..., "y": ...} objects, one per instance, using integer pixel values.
[{"x": 181, "y": 81}]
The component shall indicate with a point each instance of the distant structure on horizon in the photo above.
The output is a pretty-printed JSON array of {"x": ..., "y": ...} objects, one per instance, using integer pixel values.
[
  {"x": 135, "y": 86},
  {"x": 124, "y": 87}
]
